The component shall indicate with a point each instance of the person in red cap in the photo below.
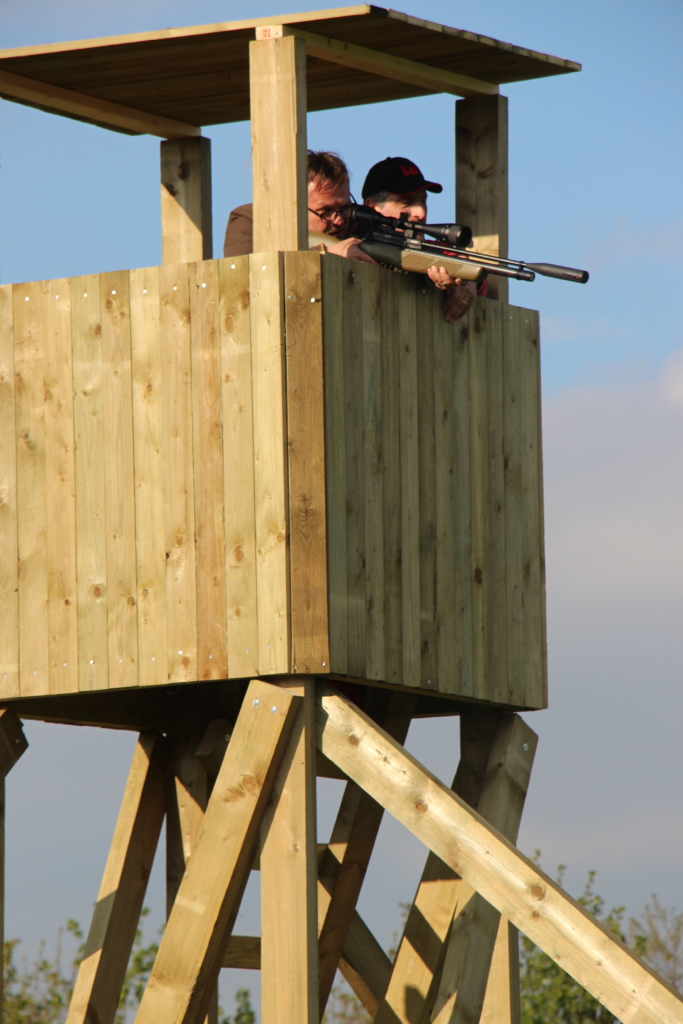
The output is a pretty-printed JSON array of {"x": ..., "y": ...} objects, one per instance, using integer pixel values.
[{"x": 397, "y": 185}]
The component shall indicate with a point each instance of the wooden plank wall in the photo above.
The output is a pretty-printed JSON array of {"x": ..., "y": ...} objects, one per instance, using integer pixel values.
[
  {"x": 144, "y": 497},
  {"x": 237, "y": 467},
  {"x": 435, "y": 515}
]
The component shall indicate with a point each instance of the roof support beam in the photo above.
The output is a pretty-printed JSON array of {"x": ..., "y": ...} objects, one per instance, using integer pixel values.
[
  {"x": 90, "y": 108},
  {"x": 386, "y": 65}
]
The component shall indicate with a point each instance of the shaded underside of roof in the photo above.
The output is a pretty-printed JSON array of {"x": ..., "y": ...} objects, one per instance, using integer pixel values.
[{"x": 200, "y": 75}]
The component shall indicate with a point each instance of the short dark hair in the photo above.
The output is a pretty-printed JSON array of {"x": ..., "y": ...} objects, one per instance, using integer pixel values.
[{"x": 325, "y": 166}]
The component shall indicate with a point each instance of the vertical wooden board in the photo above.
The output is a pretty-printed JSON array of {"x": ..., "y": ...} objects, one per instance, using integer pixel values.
[
  {"x": 354, "y": 282},
  {"x": 533, "y": 580},
  {"x": 119, "y": 481},
  {"x": 306, "y": 462},
  {"x": 410, "y": 483},
  {"x": 207, "y": 420},
  {"x": 90, "y": 461},
  {"x": 181, "y": 579},
  {"x": 497, "y": 577},
  {"x": 333, "y": 270},
  {"x": 148, "y": 426},
  {"x": 60, "y": 484},
  {"x": 447, "y": 340},
  {"x": 238, "y": 466},
  {"x": 390, "y": 296},
  {"x": 373, "y": 470},
  {"x": 514, "y": 505},
  {"x": 32, "y": 498},
  {"x": 9, "y": 566},
  {"x": 479, "y": 496},
  {"x": 429, "y": 317},
  {"x": 270, "y": 463},
  {"x": 462, "y": 508}
]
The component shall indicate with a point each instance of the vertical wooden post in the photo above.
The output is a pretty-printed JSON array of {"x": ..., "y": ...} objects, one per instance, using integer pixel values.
[
  {"x": 12, "y": 745},
  {"x": 186, "y": 233},
  {"x": 481, "y": 177},
  {"x": 289, "y": 877},
  {"x": 278, "y": 138},
  {"x": 122, "y": 892},
  {"x": 502, "y": 1004}
]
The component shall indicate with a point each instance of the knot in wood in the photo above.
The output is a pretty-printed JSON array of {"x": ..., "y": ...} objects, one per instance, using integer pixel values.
[
  {"x": 248, "y": 783},
  {"x": 131, "y": 600},
  {"x": 478, "y": 576},
  {"x": 420, "y": 807},
  {"x": 353, "y": 740},
  {"x": 537, "y": 891}
]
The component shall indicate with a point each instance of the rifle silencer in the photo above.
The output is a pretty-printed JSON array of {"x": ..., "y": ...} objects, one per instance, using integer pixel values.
[{"x": 561, "y": 273}]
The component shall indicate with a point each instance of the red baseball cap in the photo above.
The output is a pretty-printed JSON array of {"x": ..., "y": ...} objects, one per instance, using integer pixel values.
[{"x": 399, "y": 176}]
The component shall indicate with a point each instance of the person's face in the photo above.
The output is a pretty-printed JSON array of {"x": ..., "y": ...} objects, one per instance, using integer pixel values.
[
  {"x": 415, "y": 206},
  {"x": 325, "y": 201}
]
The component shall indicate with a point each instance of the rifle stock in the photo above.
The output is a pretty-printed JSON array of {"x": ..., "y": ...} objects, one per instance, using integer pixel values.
[{"x": 419, "y": 262}]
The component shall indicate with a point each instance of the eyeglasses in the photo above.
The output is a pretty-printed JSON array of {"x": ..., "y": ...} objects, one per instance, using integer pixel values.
[{"x": 330, "y": 213}]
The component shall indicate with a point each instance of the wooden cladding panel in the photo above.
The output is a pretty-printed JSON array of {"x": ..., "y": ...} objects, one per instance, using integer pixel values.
[
  {"x": 147, "y": 432},
  {"x": 451, "y": 494}
]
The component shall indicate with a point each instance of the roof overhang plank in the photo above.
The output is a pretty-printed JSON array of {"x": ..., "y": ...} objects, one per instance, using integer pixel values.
[
  {"x": 90, "y": 108},
  {"x": 166, "y": 83}
]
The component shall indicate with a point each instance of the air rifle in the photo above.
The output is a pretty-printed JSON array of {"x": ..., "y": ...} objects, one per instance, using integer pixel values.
[{"x": 398, "y": 242}]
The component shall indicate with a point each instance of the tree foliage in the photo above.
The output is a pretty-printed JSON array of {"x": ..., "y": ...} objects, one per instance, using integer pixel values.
[
  {"x": 39, "y": 993},
  {"x": 548, "y": 993}
]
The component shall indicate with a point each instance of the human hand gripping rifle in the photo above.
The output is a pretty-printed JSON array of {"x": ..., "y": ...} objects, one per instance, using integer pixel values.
[{"x": 400, "y": 243}]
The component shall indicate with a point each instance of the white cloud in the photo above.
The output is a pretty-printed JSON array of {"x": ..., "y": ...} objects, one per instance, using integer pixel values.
[{"x": 614, "y": 490}]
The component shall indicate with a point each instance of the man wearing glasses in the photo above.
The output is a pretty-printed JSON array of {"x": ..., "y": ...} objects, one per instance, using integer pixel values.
[{"x": 329, "y": 200}]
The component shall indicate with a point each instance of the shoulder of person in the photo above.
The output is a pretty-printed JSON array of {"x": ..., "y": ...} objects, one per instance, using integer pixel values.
[{"x": 245, "y": 212}]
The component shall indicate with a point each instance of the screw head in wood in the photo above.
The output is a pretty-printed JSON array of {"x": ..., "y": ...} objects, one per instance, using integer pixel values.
[
  {"x": 256, "y": 702},
  {"x": 525, "y": 746},
  {"x": 273, "y": 710}
]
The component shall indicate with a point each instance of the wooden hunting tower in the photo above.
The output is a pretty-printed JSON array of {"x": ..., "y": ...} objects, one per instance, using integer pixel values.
[{"x": 276, "y": 500}]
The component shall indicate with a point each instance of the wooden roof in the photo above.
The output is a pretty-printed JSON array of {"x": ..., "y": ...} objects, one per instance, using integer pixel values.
[{"x": 200, "y": 75}]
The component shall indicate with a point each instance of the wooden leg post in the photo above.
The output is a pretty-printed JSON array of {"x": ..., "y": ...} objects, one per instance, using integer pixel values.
[
  {"x": 502, "y": 1004},
  {"x": 289, "y": 878},
  {"x": 186, "y": 231},
  {"x": 277, "y": 68},
  {"x": 187, "y": 794},
  {"x": 12, "y": 745},
  {"x": 488, "y": 743},
  {"x": 198, "y": 931},
  {"x": 476, "y": 924},
  {"x": 117, "y": 911},
  {"x": 346, "y": 860},
  {"x": 481, "y": 177}
]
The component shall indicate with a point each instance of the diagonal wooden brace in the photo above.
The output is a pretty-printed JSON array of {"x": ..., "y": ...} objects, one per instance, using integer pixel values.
[
  {"x": 192, "y": 949},
  {"x": 345, "y": 862},
  {"x": 119, "y": 902},
  {"x": 488, "y": 862}
]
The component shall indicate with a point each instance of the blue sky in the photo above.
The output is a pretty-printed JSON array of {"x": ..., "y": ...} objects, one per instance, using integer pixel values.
[{"x": 595, "y": 182}]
